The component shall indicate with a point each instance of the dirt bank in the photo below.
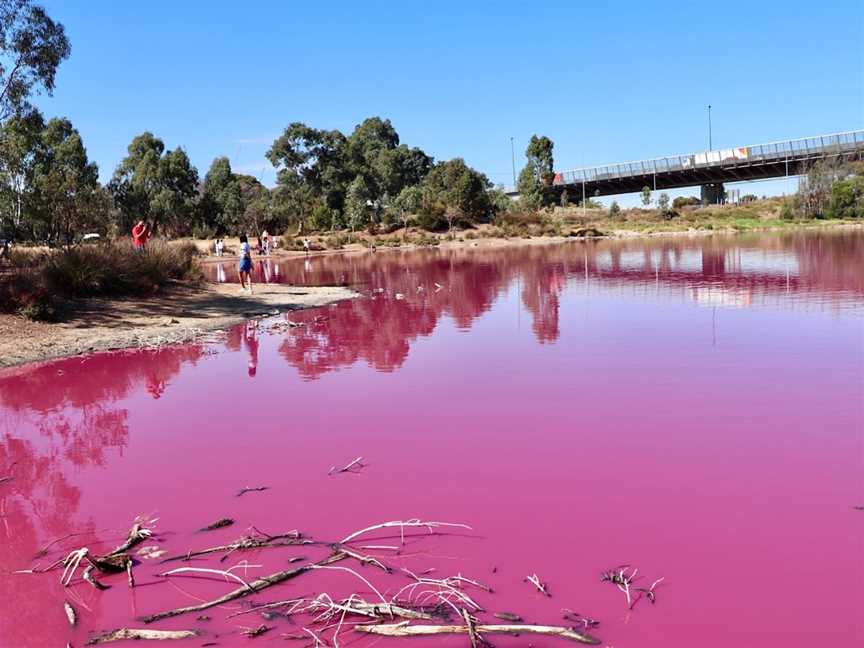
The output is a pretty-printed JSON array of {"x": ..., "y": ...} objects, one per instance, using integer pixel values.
[{"x": 178, "y": 314}]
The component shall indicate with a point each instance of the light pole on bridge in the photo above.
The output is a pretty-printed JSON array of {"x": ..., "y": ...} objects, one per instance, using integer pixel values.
[
  {"x": 710, "y": 143},
  {"x": 513, "y": 160}
]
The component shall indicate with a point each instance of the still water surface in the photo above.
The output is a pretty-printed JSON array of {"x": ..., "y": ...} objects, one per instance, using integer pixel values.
[{"x": 691, "y": 407}]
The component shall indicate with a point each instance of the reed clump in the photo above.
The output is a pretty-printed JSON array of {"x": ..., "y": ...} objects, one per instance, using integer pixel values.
[{"x": 32, "y": 283}]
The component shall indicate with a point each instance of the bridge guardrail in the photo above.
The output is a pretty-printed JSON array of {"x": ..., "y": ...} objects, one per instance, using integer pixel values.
[{"x": 789, "y": 150}]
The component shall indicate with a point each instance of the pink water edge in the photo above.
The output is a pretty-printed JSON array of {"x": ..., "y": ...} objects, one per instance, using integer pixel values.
[{"x": 689, "y": 407}]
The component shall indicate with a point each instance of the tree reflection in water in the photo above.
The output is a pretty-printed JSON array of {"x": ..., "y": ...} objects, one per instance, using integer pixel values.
[{"x": 60, "y": 418}]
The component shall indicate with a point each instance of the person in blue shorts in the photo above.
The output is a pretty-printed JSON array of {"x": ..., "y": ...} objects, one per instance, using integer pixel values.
[{"x": 245, "y": 264}]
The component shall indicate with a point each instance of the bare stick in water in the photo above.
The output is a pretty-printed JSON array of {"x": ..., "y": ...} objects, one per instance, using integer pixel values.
[
  {"x": 405, "y": 629},
  {"x": 123, "y": 634},
  {"x": 254, "y": 586}
]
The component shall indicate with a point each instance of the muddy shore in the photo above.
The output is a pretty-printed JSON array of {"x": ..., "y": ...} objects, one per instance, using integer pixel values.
[{"x": 178, "y": 314}]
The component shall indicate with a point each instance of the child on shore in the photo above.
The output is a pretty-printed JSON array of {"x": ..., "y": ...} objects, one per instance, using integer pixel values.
[{"x": 245, "y": 266}]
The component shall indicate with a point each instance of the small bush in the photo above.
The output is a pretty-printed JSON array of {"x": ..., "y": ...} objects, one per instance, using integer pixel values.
[
  {"x": 685, "y": 201},
  {"x": 847, "y": 199},
  {"x": 432, "y": 221},
  {"x": 788, "y": 210},
  {"x": 117, "y": 269}
]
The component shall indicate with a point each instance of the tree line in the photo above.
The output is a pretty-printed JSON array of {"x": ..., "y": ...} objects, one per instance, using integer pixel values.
[{"x": 325, "y": 179}]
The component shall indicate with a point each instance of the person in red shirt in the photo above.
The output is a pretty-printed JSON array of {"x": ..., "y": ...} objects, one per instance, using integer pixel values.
[{"x": 140, "y": 234}]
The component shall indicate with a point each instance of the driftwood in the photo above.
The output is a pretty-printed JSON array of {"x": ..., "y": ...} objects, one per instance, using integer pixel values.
[
  {"x": 251, "y": 489},
  {"x": 254, "y": 586},
  {"x": 218, "y": 524},
  {"x": 405, "y": 629},
  {"x": 509, "y": 616},
  {"x": 122, "y": 634},
  {"x": 246, "y": 543},
  {"x": 137, "y": 535}
]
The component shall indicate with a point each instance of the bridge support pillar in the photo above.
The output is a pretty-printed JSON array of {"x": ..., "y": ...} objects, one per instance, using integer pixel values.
[{"x": 713, "y": 194}]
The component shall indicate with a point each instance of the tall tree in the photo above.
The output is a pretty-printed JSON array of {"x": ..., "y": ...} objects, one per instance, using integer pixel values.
[
  {"x": 455, "y": 190},
  {"x": 538, "y": 174},
  {"x": 357, "y": 201},
  {"x": 315, "y": 158},
  {"x": 66, "y": 195},
  {"x": 19, "y": 139},
  {"x": 154, "y": 185},
  {"x": 32, "y": 46}
]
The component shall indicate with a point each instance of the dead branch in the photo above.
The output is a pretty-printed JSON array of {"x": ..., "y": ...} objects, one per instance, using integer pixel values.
[
  {"x": 137, "y": 534},
  {"x": 267, "y": 606},
  {"x": 540, "y": 585},
  {"x": 254, "y": 586},
  {"x": 405, "y": 629},
  {"x": 123, "y": 634},
  {"x": 411, "y": 524},
  {"x": 90, "y": 578},
  {"x": 218, "y": 524},
  {"x": 246, "y": 543},
  {"x": 3, "y": 480},
  {"x": 44, "y": 550},
  {"x": 257, "y": 632},
  {"x": 251, "y": 489},
  {"x": 202, "y": 570},
  {"x": 354, "y": 467},
  {"x": 509, "y": 616}
]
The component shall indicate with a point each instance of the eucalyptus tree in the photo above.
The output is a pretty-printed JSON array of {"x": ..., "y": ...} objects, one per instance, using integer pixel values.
[
  {"x": 538, "y": 174},
  {"x": 155, "y": 185},
  {"x": 66, "y": 198},
  {"x": 32, "y": 46}
]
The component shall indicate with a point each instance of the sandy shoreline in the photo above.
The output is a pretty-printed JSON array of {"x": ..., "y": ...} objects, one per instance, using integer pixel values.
[
  {"x": 460, "y": 242},
  {"x": 178, "y": 314},
  {"x": 185, "y": 313}
]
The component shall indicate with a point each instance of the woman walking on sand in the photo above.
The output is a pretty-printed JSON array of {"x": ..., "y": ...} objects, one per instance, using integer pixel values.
[{"x": 245, "y": 264}]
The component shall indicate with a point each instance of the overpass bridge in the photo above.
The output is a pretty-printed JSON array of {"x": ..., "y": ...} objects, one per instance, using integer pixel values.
[{"x": 711, "y": 169}]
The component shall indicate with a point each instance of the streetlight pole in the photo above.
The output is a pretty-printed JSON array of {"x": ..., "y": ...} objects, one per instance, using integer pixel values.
[
  {"x": 710, "y": 143},
  {"x": 513, "y": 160}
]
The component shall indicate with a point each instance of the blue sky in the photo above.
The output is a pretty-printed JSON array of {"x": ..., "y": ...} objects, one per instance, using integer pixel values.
[{"x": 608, "y": 82}]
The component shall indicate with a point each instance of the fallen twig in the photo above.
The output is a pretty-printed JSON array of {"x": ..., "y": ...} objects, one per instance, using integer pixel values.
[
  {"x": 411, "y": 524},
  {"x": 405, "y": 629},
  {"x": 218, "y": 524},
  {"x": 123, "y": 634},
  {"x": 509, "y": 616},
  {"x": 540, "y": 585},
  {"x": 246, "y": 542},
  {"x": 225, "y": 573},
  {"x": 355, "y": 467},
  {"x": 251, "y": 489},
  {"x": 254, "y": 586},
  {"x": 257, "y": 632}
]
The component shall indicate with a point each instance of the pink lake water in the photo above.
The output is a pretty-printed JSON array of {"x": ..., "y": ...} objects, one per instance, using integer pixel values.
[{"x": 690, "y": 407}]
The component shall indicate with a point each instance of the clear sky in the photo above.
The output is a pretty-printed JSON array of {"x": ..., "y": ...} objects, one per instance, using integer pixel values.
[{"x": 608, "y": 82}]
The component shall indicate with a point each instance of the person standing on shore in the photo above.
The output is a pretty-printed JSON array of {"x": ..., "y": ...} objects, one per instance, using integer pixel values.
[
  {"x": 140, "y": 234},
  {"x": 245, "y": 266}
]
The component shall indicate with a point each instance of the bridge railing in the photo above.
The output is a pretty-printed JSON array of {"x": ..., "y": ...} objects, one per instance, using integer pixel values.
[{"x": 789, "y": 150}]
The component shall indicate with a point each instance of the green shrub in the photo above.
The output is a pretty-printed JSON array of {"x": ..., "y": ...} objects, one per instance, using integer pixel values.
[
  {"x": 685, "y": 201},
  {"x": 847, "y": 198},
  {"x": 432, "y": 220},
  {"x": 24, "y": 292},
  {"x": 117, "y": 269},
  {"x": 788, "y": 210}
]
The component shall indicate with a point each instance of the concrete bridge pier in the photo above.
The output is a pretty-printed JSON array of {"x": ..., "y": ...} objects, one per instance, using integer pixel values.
[{"x": 713, "y": 194}]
